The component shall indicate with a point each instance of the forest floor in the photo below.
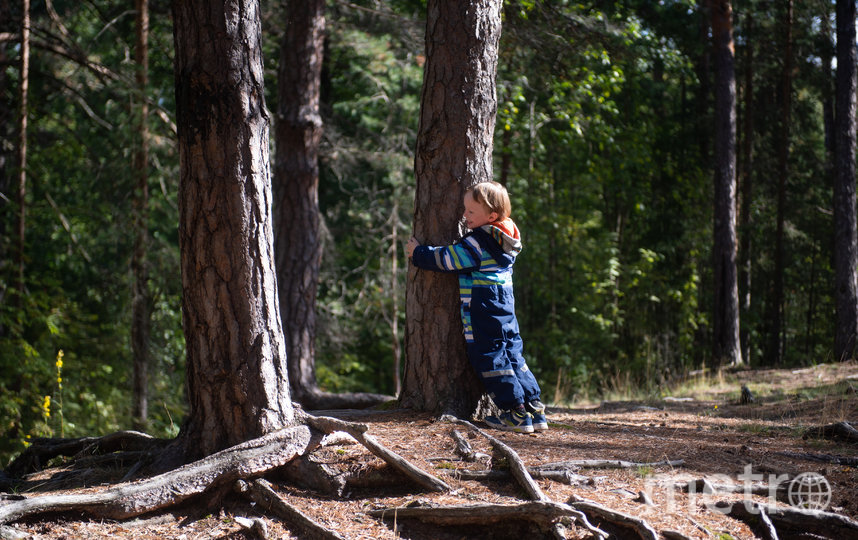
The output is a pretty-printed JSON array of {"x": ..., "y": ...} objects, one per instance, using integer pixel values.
[{"x": 703, "y": 424}]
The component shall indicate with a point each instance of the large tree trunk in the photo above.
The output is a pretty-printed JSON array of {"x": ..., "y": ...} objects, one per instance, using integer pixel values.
[
  {"x": 237, "y": 380},
  {"x": 845, "y": 242},
  {"x": 726, "y": 345},
  {"x": 775, "y": 347},
  {"x": 23, "y": 90},
  {"x": 140, "y": 287},
  {"x": 296, "y": 186},
  {"x": 454, "y": 151}
]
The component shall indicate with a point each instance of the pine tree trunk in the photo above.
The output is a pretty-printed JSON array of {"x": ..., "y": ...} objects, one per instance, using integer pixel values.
[
  {"x": 845, "y": 242},
  {"x": 454, "y": 151},
  {"x": 775, "y": 347},
  {"x": 140, "y": 287},
  {"x": 23, "y": 91},
  {"x": 237, "y": 379},
  {"x": 726, "y": 345},
  {"x": 297, "y": 231},
  {"x": 747, "y": 186}
]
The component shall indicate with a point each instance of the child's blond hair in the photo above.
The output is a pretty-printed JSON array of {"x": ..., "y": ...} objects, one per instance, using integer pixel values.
[{"x": 493, "y": 196}]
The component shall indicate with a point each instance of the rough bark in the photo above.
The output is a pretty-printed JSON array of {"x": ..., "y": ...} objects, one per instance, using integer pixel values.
[
  {"x": 140, "y": 288},
  {"x": 845, "y": 240},
  {"x": 726, "y": 342},
  {"x": 454, "y": 151},
  {"x": 297, "y": 230},
  {"x": 237, "y": 381}
]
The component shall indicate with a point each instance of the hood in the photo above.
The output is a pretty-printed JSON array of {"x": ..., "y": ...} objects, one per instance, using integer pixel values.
[{"x": 506, "y": 234}]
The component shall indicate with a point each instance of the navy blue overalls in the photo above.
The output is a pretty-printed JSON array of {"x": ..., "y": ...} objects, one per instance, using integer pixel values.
[{"x": 483, "y": 259}]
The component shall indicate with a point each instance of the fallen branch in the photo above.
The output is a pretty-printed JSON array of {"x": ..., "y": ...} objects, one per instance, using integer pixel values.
[
  {"x": 608, "y": 464},
  {"x": 328, "y": 424},
  {"x": 824, "y": 458},
  {"x": 261, "y": 492},
  {"x": 544, "y": 513},
  {"x": 245, "y": 460},
  {"x": 839, "y": 430},
  {"x": 596, "y": 511},
  {"x": 567, "y": 477}
]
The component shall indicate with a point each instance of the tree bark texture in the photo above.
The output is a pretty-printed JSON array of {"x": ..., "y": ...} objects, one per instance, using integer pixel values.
[
  {"x": 726, "y": 343},
  {"x": 845, "y": 241},
  {"x": 140, "y": 287},
  {"x": 298, "y": 243},
  {"x": 454, "y": 151},
  {"x": 237, "y": 380}
]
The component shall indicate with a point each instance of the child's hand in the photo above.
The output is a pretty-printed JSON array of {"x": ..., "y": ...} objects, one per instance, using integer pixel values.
[{"x": 409, "y": 247}]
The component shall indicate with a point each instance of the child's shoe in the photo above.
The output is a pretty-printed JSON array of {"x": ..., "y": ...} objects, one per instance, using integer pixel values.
[
  {"x": 517, "y": 420},
  {"x": 537, "y": 411}
]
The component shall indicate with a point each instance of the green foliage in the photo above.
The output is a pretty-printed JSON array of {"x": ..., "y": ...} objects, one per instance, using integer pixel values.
[{"x": 602, "y": 137}]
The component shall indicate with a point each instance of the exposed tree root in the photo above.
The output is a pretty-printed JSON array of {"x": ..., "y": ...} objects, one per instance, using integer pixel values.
[
  {"x": 520, "y": 473},
  {"x": 516, "y": 466},
  {"x": 775, "y": 521},
  {"x": 260, "y": 491},
  {"x": 43, "y": 450},
  {"x": 245, "y": 460},
  {"x": 327, "y": 424},
  {"x": 599, "y": 513}
]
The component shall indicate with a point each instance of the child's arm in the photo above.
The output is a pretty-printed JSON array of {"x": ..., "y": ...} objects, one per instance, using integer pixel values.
[{"x": 461, "y": 257}]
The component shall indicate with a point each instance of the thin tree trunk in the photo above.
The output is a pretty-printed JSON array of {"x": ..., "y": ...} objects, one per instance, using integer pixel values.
[
  {"x": 140, "y": 292},
  {"x": 394, "y": 291},
  {"x": 746, "y": 227},
  {"x": 726, "y": 343},
  {"x": 23, "y": 90},
  {"x": 298, "y": 242},
  {"x": 845, "y": 242},
  {"x": 776, "y": 338},
  {"x": 454, "y": 151},
  {"x": 237, "y": 380}
]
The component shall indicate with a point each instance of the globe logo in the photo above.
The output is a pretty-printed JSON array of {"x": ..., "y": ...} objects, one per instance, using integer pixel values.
[{"x": 810, "y": 491}]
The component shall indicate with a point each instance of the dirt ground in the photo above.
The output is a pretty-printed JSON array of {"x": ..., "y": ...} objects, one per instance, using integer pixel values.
[{"x": 702, "y": 424}]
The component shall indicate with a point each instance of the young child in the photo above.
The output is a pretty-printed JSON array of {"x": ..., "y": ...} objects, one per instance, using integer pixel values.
[{"x": 483, "y": 259}]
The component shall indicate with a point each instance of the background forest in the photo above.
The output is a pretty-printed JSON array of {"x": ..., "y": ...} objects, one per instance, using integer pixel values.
[{"x": 604, "y": 139}]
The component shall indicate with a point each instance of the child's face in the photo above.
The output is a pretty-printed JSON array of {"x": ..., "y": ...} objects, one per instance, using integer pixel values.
[{"x": 476, "y": 214}]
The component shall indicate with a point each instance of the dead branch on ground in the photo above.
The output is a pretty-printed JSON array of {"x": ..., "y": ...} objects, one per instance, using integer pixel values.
[{"x": 839, "y": 430}]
